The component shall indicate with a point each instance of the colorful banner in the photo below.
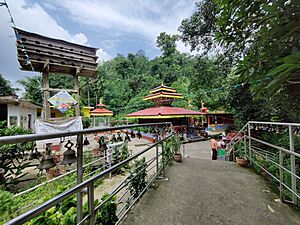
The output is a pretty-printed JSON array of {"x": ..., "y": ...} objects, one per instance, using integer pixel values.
[{"x": 62, "y": 101}]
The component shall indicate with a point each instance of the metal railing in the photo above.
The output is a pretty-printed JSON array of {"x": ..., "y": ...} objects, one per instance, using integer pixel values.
[
  {"x": 259, "y": 152},
  {"x": 155, "y": 165},
  {"x": 106, "y": 158}
]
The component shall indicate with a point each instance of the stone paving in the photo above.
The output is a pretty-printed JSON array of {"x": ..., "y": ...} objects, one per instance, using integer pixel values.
[{"x": 202, "y": 191}]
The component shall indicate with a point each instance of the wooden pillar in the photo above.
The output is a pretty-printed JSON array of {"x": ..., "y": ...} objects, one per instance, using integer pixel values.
[
  {"x": 76, "y": 88},
  {"x": 46, "y": 94}
]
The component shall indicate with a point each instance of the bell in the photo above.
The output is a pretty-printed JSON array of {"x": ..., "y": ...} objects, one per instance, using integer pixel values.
[
  {"x": 132, "y": 134},
  {"x": 47, "y": 160},
  {"x": 113, "y": 138},
  {"x": 127, "y": 138},
  {"x": 103, "y": 147},
  {"x": 139, "y": 135},
  {"x": 35, "y": 154},
  {"x": 86, "y": 142},
  {"x": 119, "y": 138},
  {"x": 2, "y": 177},
  {"x": 69, "y": 154}
]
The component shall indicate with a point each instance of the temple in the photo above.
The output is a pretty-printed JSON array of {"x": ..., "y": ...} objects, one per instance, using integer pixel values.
[
  {"x": 163, "y": 97},
  {"x": 102, "y": 112}
]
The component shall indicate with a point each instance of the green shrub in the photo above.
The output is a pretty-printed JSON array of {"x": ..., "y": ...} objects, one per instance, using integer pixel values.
[
  {"x": 107, "y": 213},
  {"x": 138, "y": 177},
  {"x": 13, "y": 157}
]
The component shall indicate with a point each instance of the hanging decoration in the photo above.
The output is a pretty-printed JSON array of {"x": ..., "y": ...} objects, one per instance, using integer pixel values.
[
  {"x": 35, "y": 154},
  {"x": 132, "y": 134},
  {"x": 62, "y": 101},
  {"x": 17, "y": 35},
  {"x": 47, "y": 160},
  {"x": 277, "y": 129},
  {"x": 86, "y": 142},
  {"x": 127, "y": 138},
  {"x": 119, "y": 138},
  {"x": 113, "y": 138},
  {"x": 69, "y": 154}
]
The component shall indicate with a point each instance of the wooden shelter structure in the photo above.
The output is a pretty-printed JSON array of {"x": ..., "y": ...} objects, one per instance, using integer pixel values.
[{"x": 48, "y": 55}]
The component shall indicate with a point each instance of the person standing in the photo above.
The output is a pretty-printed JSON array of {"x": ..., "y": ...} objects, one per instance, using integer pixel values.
[{"x": 214, "y": 148}]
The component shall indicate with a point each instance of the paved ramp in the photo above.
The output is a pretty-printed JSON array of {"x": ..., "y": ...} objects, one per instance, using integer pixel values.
[{"x": 202, "y": 191}]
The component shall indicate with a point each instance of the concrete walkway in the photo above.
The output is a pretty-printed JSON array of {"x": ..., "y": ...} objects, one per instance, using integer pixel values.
[{"x": 202, "y": 191}]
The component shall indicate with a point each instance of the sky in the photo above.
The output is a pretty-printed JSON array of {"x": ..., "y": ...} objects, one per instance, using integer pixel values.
[{"x": 113, "y": 26}]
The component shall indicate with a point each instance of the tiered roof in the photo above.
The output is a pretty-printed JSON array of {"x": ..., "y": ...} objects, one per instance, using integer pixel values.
[
  {"x": 163, "y": 97},
  {"x": 163, "y": 112},
  {"x": 101, "y": 110}
]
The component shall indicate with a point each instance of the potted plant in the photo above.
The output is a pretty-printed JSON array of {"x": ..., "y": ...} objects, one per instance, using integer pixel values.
[
  {"x": 241, "y": 158},
  {"x": 175, "y": 143}
]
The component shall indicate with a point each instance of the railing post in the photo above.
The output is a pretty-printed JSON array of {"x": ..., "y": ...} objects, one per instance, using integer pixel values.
[
  {"x": 91, "y": 203},
  {"x": 109, "y": 158},
  {"x": 163, "y": 160},
  {"x": 79, "y": 175},
  {"x": 157, "y": 161},
  {"x": 245, "y": 145},
  {"x": 249, "y": 145},
  {"x": 281, "y": 176},
  {"x": 293, "y": 165}
]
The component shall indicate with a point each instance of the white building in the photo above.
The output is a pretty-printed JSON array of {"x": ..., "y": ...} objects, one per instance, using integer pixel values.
[{"x": 18, "y": 112}]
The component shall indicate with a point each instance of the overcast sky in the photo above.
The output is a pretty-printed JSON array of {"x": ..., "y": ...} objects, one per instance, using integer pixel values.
[{"x": 113, "y": 26}]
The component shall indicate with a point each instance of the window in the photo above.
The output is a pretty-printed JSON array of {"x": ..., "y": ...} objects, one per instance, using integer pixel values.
[{"x": 13, "y": 121}]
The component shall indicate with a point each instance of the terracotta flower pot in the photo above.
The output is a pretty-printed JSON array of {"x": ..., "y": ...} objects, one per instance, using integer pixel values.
[
  {"x": 242, "y": 162},
  {"x": 178, "y": 157}
]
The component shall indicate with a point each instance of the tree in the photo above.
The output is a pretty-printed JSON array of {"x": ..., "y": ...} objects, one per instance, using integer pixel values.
[
  {"x": 199, "y": 30},
  {"x": 5, "y": 87},
  {"x": 33, "y": 89},
  {"x": 167, "y": 43},
  {"x": 246, "y": 32},
  {"x": 33, "y": 85}
]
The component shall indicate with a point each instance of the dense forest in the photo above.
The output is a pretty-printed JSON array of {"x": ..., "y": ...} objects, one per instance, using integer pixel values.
[{"x": 245, "y": 60}]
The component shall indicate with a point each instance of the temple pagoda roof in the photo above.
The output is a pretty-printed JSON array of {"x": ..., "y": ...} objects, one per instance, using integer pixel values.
[
  {"x": 101, "y": 105},
  {"x": 161, "y": 94},
  {"x": 101, "y": 110},
  {"x": 164, "y": 112},
  {"x": 163, "y": 97},
  {"x": 162, "y": 88}
]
